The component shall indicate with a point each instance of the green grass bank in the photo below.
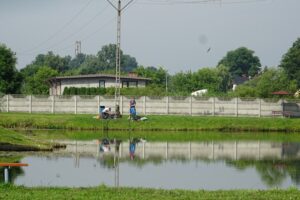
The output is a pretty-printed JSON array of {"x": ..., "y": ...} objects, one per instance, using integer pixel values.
[
  {"x": 170, "y": 136},
  {"x": 102, "y": 192},
  {"x": 12, "y": 140},
  {"x": 154, "y": 123}
]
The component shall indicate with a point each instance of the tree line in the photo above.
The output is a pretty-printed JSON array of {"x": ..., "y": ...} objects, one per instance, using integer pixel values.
[{"x": 219, "y": 80}]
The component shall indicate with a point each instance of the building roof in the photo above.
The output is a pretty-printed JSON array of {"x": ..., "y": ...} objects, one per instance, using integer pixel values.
[
  {"x": 238, "y": 80},
  {"x": 281, "y": 93},
  {"x": 136, "y": 78}
]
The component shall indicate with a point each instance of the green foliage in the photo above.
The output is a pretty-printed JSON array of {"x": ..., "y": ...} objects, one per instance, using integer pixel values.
[
  {"x": 269, "y": 81},
  {"x": 105, "y": 60},
  {"x": 10, "y": 78},
  {"x": 158, "y": 75},
  {"x": 241, "y": 62},
  {"x": 37, "y": 84},
  {"x": 216, "y": 80},
  {"x": 84, "y": 91},
  {"x": 291, "y": 62}
]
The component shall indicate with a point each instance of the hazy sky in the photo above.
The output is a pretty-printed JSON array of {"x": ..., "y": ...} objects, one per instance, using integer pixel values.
[{"x": 175, "y": 36}]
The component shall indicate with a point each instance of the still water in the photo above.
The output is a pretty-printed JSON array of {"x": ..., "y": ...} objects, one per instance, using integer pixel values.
[{"x": 167, "y": 165}]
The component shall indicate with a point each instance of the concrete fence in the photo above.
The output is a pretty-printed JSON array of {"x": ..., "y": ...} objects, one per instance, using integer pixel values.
[{"x": 145, "y": 105}]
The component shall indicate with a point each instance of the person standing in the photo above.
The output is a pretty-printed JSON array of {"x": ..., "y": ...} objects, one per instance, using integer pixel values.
[{"x": 132, "y": 110}]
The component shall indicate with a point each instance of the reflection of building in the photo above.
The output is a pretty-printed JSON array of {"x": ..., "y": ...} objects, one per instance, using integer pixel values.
[{"x": 194, "y": 150}]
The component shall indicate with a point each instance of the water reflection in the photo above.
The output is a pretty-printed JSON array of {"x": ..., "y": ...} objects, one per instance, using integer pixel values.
[{"x": 190, "y": 165}]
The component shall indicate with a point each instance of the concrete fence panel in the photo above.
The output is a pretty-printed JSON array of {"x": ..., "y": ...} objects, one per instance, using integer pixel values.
[
  {"x": 225, "y": 106},
  {"x": 144, "y": 105},
  {"x": 86, "y": 104},
  {"x": 248, "y": 107},
  {"x": 41, "y": 104},
  {"x": 202, "y": 106}
]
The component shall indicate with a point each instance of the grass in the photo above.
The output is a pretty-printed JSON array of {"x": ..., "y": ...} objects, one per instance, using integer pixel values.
[
  {"x": 15, "y": 138},
  {"x": 154, "y": 123},
  {"x": 103, "y": 192},
  {"x": 180, "y": 136}
]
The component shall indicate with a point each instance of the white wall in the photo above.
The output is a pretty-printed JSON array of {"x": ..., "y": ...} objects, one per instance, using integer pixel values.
[{"x": 145, "y": 105}]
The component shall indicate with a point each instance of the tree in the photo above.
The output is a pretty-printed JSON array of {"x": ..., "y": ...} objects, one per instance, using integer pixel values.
[
  {"x": 60, "y": 64},
  {"x": 157, "y": 75},
  {"x": 216, "y": 80},
  {"x": 10, "y": 78},
  {"x": 107, "y": 59},
  {"x": 291, "y": 62},
  {"x": 268, "y": 82},
  {"x": 241, "y": 62},
  {"x": 37, "y": 84}
]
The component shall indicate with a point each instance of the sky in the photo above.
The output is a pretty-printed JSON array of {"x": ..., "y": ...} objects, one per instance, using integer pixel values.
[{"x": 176, "y": 36}]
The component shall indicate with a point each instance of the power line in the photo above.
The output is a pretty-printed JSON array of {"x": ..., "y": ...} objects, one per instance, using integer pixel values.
[
  {"x": 67, "y": 24},
  {"x": 119, "y": 10},
  {"x": 180, "y": 2},
  {"x": 68, "y": 37}
]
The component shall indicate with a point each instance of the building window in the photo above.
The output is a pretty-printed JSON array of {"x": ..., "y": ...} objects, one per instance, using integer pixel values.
[
  {"x": 101, "y": 84},
  {"x": 129, "y": 84}
]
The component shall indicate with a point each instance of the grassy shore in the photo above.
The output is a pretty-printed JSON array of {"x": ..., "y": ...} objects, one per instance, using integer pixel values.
[
  {"x": 13, "y": 140},
  {"x": 102, "y": 192},
  {"x": 154, "y": 123},
  {"x": 170, "y": 136}
]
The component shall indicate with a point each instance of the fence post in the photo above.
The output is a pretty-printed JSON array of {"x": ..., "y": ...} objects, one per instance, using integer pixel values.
[
  {"x": 144, "y": 105},
  {"x": 98, "y": 102},
  {"x": 213, "y": 106},
  {"x": 7, "y": 103},
  {"x": 75, "y": 104},
  {"x": 53, "y": 104},
  {"x": 259, "y": 108},
  {"x": 167, "y": 105},
  {"x": 191, "y": 105},
  {"x": 236, "y": 106},
  {"x": 30, "y": 103},
  {"x": 121, "y": 105}
]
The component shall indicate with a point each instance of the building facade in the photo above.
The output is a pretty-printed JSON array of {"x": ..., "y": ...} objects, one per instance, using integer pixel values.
[{"x": 58, "y": 84}]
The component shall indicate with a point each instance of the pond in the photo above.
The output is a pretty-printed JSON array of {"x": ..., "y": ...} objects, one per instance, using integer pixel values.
[{"x": 209, "y": 165}]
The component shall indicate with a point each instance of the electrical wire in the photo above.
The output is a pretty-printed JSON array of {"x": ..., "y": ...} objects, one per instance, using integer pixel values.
[
  {"x": 68, "y": 37},
  {"x": 67, "y": 24}
]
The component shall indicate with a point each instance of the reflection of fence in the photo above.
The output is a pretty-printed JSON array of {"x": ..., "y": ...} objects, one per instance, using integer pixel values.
[
  {"x": 196, "y": 150},
  {"x": 145, "y": 105}
]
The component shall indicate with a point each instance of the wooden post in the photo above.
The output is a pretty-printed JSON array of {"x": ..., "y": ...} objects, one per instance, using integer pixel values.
[{"x": 6, "y": 175}]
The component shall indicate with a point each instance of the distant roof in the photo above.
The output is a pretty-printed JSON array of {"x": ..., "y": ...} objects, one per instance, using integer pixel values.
[
  {"x": 98, "y": 76},
  {"x": 240, "y": 79},
  {"x": 281, "y": 93}
]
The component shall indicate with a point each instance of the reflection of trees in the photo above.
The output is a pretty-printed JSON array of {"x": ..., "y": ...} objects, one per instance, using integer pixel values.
[
  {"x": 14, "y": 172},
  {"x": 272, "y": 172}
]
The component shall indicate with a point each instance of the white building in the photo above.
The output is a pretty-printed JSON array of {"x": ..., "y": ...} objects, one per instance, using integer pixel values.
[{"x": 58, "y": 84}]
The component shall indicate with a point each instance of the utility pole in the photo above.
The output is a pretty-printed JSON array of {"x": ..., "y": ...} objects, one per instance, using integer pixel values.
[
  {"x": 119, "y": 10},
  {"x": 77, "y": 48}
]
